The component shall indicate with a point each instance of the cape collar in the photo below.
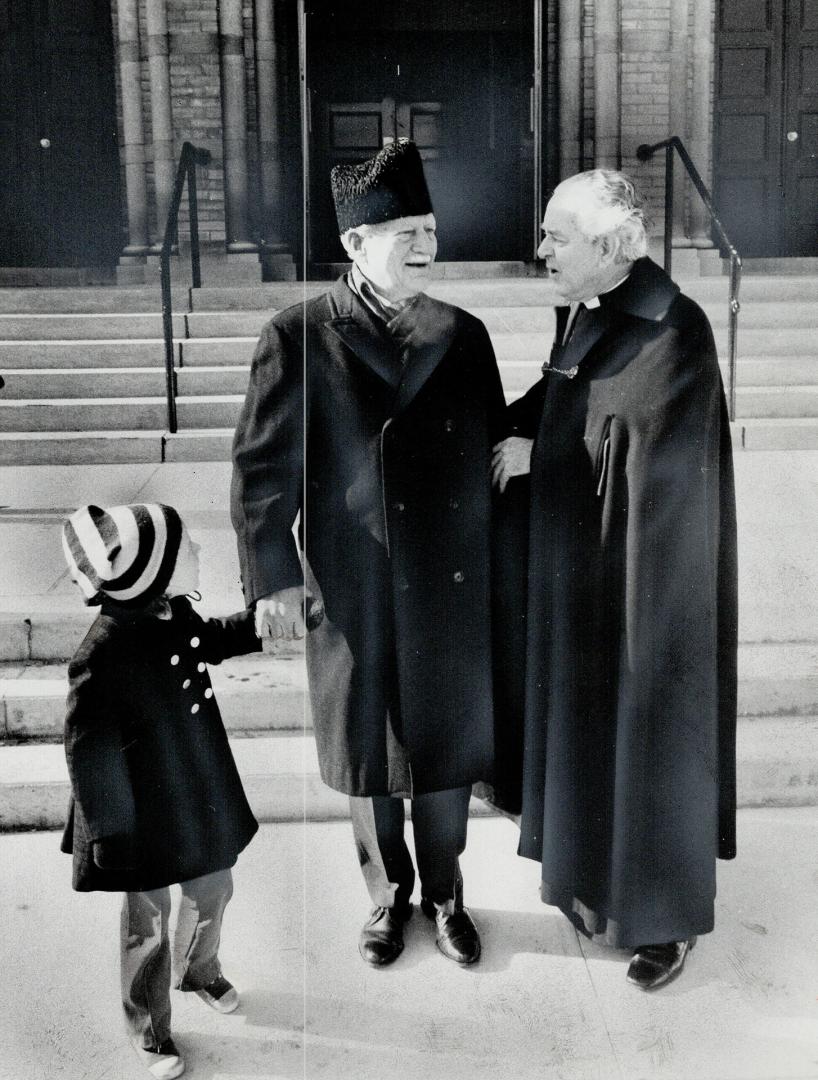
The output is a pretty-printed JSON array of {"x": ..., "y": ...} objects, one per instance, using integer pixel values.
[{"x": 646, "y": 293}]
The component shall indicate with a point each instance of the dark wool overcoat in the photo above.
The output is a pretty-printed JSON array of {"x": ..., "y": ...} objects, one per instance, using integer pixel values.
[
  {"x": 630, "y": 714},
  {"x": 153, "y": 780},
  {"x": 387, "y": 459}
]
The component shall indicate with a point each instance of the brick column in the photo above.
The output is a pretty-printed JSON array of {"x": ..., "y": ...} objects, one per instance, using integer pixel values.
[
  {"x": 700, "y": 115},
  {"x": 607, "y": 94},
  {"x": 133, "y": 150},
  {"x": 234, "y": 120},
  {"x": 161, "y": 115},
  {"x": 570, "y": 86}
]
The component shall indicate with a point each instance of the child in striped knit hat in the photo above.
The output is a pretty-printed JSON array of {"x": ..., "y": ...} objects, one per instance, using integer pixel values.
[{"x": 156, "y": 797}]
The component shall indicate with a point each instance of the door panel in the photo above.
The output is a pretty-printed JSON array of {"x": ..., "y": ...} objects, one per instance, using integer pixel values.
[
  {"x": 801, "y": 119},
  {"x": 59, "y": 185},
  {"x": 766, "y": 125}
]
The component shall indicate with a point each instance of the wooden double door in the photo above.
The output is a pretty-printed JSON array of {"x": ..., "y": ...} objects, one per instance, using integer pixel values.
[
  {"x": 766, "y": 125},
  {"x": 378, "y": 73},
  {"x": 59, "y": 173}
]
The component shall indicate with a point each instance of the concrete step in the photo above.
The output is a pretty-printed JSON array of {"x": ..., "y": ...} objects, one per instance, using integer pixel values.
[
  {"x": 777, "y": 766},
  {"x": 81, "y": 300},
  {"x": 217, "y": 402},
  {"x": 257, "y": 693},
  {"x": 113, "y": 414},
  {"x": 262, "y": 693},
  {"x": 213, "y": 444},
  {"x": 122, "y": 382},
  {"x": 83, "y": 447},
  {"x": 87, "y": 326},
  {"x": 113, "y": 352}
]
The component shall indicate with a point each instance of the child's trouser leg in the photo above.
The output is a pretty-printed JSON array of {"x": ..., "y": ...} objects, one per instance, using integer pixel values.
[
  {"x": 198, "y": 930},
  {"x": 145, "y": 966}
]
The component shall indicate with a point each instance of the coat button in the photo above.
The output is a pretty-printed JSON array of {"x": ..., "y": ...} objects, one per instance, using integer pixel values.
[
  {"x": 186, "y": 684},
  {"x": 194, "y": 643},
  {"x": 201, "y": 666},
  {"x": 195, "y": 708},
  {"x": 208, "y": 693},
  {"x": 454, "y": 504},
  {"x": 448, "y": 425},
  {"x": 458, "y": 576},
  {"x": 399, "y": 506},
  {"x": 174, "y": 660}
]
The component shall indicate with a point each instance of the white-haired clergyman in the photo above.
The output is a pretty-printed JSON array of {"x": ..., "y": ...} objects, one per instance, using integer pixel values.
[{"x": 628, "y": 791}]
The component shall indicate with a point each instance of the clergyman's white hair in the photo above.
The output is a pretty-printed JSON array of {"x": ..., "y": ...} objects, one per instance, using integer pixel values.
[{"x": 607, "y": 204}]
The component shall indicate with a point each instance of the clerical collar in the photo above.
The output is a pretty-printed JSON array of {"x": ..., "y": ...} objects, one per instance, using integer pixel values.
[
  {"x": 595, "y": 302},
  {"x": 376, "y": 302}
]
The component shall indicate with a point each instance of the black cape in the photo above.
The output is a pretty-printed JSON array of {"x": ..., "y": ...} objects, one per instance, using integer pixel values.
[{"x": 628, "y": 770}]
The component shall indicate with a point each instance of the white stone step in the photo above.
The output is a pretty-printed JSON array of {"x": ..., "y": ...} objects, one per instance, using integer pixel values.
[
  {"x": 777, "y": 766},
  {"x": 81, "y": 300},
  {"x": 213, "y": 444},
  {"x": 256, "y": 693},
  {"x": 47, "y": 383},
  {"x": 262, "y": 693},
  {"x": 111, "y": 414},
  {"x": 111, "y": 352},
  {"x": 87, "y": 326},
  {"x": 82, "y": 447}
]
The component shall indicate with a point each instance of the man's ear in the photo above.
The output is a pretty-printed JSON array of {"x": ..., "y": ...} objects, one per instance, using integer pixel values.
[
  {"x": 607, "y": 249},
  {"x": 353, "y": 243}
]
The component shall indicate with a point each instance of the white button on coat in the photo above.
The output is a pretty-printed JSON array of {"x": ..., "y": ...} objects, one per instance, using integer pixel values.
[
  {"x": 201, "y": 666},
  {"x": 174, "y": 660},
  {"x": 194, "y": 643},
  {"x": 195, "y": 708},
  {"x": 208, "y": 693}
]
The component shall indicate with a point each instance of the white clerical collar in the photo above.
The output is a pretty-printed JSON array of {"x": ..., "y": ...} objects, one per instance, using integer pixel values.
[{"x": 594, "y": 301}]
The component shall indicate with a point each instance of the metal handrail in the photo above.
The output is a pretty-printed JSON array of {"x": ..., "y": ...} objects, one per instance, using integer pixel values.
[
  {"x": 646, "y": 151},
  {"x": 190, "y": 157}
]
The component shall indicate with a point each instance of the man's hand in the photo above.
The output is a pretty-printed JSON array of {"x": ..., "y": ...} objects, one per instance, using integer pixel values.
[
  {"x": 511, "y": 457},
  {"x": 279, "y": 617}
]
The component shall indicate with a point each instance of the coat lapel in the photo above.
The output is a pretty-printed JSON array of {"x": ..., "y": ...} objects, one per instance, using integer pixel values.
[
  {"x": 425, "y": 332},
  {"x": 358, "y": 330}
]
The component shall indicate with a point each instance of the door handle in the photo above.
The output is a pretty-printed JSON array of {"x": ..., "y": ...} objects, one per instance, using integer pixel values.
[{"x": 792, "y": 136}]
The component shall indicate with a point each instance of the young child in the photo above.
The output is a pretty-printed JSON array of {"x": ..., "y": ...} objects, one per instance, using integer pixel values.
[{"x": 156, "y": 797}]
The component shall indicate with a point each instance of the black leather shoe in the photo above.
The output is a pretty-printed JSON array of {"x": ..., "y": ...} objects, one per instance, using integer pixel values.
[
  {"x": 381, "y": 939},
  {"x": 457, "y": 936},
  {"x": 653, "y": 966}
]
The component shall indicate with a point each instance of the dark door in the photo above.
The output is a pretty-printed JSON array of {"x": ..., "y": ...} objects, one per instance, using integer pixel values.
[
  {"x": 457, "y": 87},
  {"x": 59, "y": 177},
  {"x": 766, "y": 125}
]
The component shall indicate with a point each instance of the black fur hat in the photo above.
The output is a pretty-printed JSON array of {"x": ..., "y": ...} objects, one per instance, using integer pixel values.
[{"x": 390, "y": 185}]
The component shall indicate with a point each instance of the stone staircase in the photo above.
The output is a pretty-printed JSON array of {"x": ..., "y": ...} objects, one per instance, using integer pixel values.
[
  {"x": 84, "y": 373},
  {"x": 85, "y": 382}
]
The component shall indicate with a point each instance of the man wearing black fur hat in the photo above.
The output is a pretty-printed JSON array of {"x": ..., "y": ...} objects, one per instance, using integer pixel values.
[{"x": 372, "y": 411}]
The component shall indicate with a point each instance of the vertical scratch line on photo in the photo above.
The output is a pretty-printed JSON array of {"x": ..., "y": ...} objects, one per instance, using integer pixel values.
[{"x": 302, "y": 17}]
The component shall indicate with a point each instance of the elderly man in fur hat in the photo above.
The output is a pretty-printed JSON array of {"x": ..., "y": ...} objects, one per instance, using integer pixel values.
[{"x": 371, "y": 413}]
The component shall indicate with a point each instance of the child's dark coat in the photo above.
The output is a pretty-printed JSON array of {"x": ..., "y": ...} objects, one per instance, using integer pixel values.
[{"x": 153, "y": 779}]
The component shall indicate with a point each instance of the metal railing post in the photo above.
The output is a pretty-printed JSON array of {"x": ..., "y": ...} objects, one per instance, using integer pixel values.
[
  {"x": 643, "y": 153},
  {"x": 186, "y": 170},
  {"x": 668, "y": 209}
]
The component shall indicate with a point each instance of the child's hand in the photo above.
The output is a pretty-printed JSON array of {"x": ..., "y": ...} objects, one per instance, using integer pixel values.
[{"x": 279, "y": 617}]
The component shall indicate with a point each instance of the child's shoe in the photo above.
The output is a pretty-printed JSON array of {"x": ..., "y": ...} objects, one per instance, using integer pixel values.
[
  {"x": 162, "y": 1062},
  {"x": 220, "y": 995}
]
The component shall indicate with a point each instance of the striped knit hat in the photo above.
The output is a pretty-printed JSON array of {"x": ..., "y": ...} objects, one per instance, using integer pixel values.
[{"x": 127, "y": 553}]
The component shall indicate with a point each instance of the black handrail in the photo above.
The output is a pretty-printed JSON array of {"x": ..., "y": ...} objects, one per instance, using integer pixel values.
[
  {"x": 190, "y": 157},
  {"x": 646, "y": 151}
]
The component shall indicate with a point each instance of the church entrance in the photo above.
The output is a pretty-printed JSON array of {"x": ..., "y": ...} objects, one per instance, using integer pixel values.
[{"x": 457, "y": 82}]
